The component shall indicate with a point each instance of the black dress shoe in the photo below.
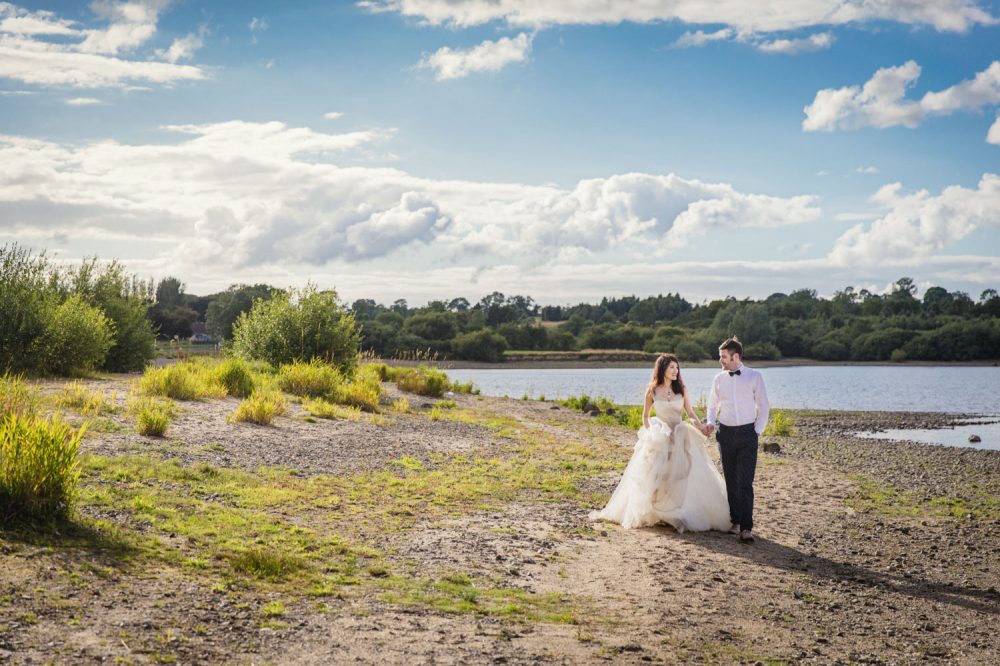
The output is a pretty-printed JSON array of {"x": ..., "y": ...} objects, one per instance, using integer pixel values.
[{"x": 746, "y": 537}]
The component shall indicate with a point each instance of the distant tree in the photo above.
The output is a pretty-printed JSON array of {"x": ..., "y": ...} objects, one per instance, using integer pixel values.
[
  {"x": 365, "y": 309},
  {"x": 458, "y": 305},
  {"x": 226, "y": 307},
  {"x": 937, "y": 301},
  {"x": 170, "y": 293},
  {"x": 480, "y": 346}
]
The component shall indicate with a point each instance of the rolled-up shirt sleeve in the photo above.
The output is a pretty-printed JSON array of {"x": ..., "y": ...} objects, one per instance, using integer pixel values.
[{"x": 763, "y": 406}]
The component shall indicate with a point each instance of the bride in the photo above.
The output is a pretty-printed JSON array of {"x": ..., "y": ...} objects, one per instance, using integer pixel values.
[{"x": 670, "y": 477}]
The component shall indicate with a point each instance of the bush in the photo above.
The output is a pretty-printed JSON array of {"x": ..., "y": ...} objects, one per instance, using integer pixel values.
[
  {"x": 779, "y": 425},
  {"x": 829, "y": 349},
  {"x": 323, "y": 409},
  {"x": 16, "y": 398},
  {"x": 690, "y": 351},
  {"x": 363, "y": 391},
  {"x": 314, "y": 378},
  {"x": 423, "y": 380},
  {"x": 762, "y": 351},
  {"x": 260, "y": 408},
  {"x": 897, "y": 356},
  {"x": 298, "y": 326},
  {"x": 124, "y": 300},
  {"x": 151, "y": 418},
  {"x": 480, "y": 346},
  {"x": 76, "y": 339},
  {"x": 235, "y": 376},
  {"x": 181, "y": 381},
  {"x": 27, "y": 297},
  {"x": 38, "y": 471}
]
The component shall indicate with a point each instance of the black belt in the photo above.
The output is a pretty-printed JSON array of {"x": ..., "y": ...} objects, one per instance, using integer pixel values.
[{"x": 739, "y": 427}]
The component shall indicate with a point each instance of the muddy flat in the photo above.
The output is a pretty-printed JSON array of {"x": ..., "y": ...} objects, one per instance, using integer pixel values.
[{"x": 443, "y": 534}]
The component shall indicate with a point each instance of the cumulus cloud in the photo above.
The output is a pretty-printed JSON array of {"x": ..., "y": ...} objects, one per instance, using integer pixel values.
[
  {"x": 489, "y": 56},
  {"x": 745, "y": 17},
  {"x": 817, "y": 42},
  {"x": 993, "y": 136},
  {"x": 880, "y": 102},
  {"x": 241, "y": 194},
  {"x": 333, "y": 115},
  {"x": 183, "y": 48},
  {"x": 867, "y": 169},
  {"x": 39, "y": 48},
  {"x": 919, "y": 224}
]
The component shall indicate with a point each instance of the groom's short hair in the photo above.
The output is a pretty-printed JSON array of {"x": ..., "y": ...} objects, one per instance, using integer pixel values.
[{"x": 733, "y": 346}]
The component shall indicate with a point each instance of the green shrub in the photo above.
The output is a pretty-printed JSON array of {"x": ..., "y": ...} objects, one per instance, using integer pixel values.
[
  {"x": 762, "y": 351},
  {"x": 467, "y": 387},
  {"x": 27, "y": 297},
  {"x": 313, "y": 378},
  {"x": 780, "y": 425},
  {"x": 423, "y": 380},
  {"x": 38, "y": 470},
  {"x": 482, "y": 345},
  {"x": 124, "y": 300},
  {"x": 446, "y": 404},
  {"x": 361, "y": 392},
  {"x": 235, "y": 375},
  {"x": 897, "y": 356},
  {"x": 15, "y": 396},
  {"x": 261, "y": 408},
  {"x": 76, "y": 339},
  {"x": 181, "y": 381},
  {"x": 151, "y": 418},
  {"x": 381, "y": 370},
  {"x": 298, "y": 326}
]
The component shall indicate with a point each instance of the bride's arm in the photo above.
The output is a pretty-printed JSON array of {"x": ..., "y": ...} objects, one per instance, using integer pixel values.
[
  {"x": 645, "y": 409},
  {"x": 695, "y": 421}
]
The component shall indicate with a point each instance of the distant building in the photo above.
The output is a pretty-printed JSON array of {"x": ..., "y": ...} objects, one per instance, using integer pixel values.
[{"x": 202, "y": 338}]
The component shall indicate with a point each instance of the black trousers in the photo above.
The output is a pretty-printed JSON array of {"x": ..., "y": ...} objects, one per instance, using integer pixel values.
[{"x": 738, "y": 450}]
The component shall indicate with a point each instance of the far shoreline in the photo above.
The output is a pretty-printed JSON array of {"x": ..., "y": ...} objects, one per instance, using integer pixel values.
[{"x": 611, "y": 365}]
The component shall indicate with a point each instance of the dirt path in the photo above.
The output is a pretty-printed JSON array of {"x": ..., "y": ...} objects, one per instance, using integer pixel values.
[{"x": 453, "y": 540}]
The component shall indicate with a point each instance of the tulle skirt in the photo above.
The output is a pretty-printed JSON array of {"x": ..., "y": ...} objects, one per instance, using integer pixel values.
[{"x": 670, "y": 479}]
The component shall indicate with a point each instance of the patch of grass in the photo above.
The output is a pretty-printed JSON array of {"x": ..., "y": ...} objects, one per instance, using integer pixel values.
[
  {"x": 38, "y": 468},
  {"x": 446, "y": 404},
  {"x": 76, "y": 395},
  {"x": 261, "y": 408},
  {"x": 323, "y": 409},
  {"x": 314, "y": 379},
  {"x": 401, "y": 406},
  {"x": 181, "y": 381},
  {"x": 883, "y": 499},
  {"x": 236, "y": 376},
  {"x": 780, "y": 424},
  {"x": 152, "y": 417},
  {"x": 104, "y": 424},
  {"x": 363, "y": 391},
  {"x": 16, "y": 397},
  {"x": 265, "y": 563},
  {"x": 273, "y": 609},
  {"x": 466, "y": 387},
  {"x": 422, "y": 380}
]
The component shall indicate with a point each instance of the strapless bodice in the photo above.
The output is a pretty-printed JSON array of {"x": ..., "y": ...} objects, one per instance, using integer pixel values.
[{"x": 668, "y": 411}]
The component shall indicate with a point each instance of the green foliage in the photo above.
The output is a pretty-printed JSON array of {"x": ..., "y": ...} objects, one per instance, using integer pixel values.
[
  {"x": 298, "y": 326},
  {"x": 313, "y": 378},
  {"x": 225, "y": 308},
  {"x": 76, "y": 395},
  {"x": 762, "y": 351},
  {"x": 27, "y": 295},
  {"x": 324, "y": 409},
  {"x": 181, "y": 381},
  {"x": 16, "y": 398},
  {"x": 76, "y": 339},
  {"x": 780, "y": 424},
  {"x": 265, "y": 563},
  {"x": 464, "y": 387},
  {"x": 423, "y": 380},
  {"x": 236, "y": 376},
  {"x": 363, "y": 391},
  {"x": 261, "y": 408},
  {"x": 151, "y": 418},
  {"x": 38, "y": 470},
  {"x": 480, "y": 345},
  {"x": 124, "y": 300}
]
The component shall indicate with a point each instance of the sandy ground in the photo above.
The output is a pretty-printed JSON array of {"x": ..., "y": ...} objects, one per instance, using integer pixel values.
[{"x": 830, "y": 579}]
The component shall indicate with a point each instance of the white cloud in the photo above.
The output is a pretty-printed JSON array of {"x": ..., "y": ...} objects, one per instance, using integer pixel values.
[
  {"x": 919, "y": 224},
  {"x": 880, "y": 102},
  {"x": 867, "y": 169},
  {"x": 822, "y": 174},
  {"x": 745, "y": 17},
  {"x": 817, "y": 42},
  {"x": 82, "y": 101},
  {"x": 993, "y": 136},
  {"x": 699, "y": 38},
  {"x": 182, "y": 48},
  {"x": 258, "y": 24},
  {"x": 91, "y": 58},
  {"x": 486, "y": 57},
  {"x": 240, "y": 194},
  {"x": 332, "y": 115}
]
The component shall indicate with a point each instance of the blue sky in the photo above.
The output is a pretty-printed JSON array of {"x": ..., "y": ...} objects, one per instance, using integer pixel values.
[{"x": 563, "y": 150}]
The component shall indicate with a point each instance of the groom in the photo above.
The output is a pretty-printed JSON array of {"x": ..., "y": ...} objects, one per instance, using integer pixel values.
[{"x": 739, "y": 401}]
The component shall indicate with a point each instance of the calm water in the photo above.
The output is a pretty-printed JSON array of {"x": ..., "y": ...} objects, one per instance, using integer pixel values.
[
  {"x": 966, "y": 390},
  {"x": 988, "y": 432},
  {"x": 865, "y": 388}
]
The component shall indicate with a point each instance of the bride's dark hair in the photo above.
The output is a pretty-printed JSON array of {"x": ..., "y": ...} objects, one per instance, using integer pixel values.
[{"x": 663, "y": 362}]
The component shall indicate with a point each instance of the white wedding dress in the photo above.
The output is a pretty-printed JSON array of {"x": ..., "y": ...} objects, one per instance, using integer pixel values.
[{"x": 670, "y": 478}]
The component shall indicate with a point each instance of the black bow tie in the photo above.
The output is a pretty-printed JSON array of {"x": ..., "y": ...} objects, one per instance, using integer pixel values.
[{"x": 735, "y": 372}]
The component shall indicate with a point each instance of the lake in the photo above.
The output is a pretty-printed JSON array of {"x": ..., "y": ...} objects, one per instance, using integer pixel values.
[{"x": 950, "y": 389}]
